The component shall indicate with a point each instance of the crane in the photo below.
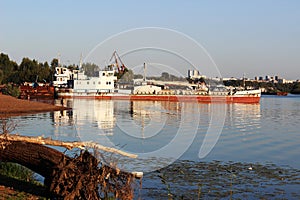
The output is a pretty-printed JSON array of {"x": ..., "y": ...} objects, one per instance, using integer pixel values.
[{"x": 122, "y": 69}]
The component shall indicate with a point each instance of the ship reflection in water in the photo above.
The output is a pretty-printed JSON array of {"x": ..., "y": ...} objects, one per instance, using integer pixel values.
[
  {"x": 144, "y": 119},
  {"x": 100, "y": 116},
  {"x": 157, "y": 129},
  {"x": 85, "y": 116}
]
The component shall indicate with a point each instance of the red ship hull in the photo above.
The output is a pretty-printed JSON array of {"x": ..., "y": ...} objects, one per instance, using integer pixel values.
[
  {"x": 191, "y": 98},
  {"x": 175, "y": 98}
]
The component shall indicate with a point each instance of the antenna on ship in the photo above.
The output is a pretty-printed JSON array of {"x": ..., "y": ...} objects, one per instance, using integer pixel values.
[
  {"x": 144, "y": 78},
  {"x": 244, "y": 81},
  {"x": 58, "y": 59},
  {"x": 80, "y": 62}
]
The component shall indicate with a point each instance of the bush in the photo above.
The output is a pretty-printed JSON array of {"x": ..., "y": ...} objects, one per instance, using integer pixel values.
[
  {"x": 12, "y": 90},
  {"x": 16, "y": 171}
]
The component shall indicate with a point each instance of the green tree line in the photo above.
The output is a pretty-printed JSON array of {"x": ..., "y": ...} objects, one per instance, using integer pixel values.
[
  {"x": 27, "y": 71},
  {"x": 270, "y": 87},
  {"x": 33, "y": 71}
]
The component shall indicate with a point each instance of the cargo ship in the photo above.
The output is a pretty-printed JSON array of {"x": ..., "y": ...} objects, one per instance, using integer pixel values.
[{"x": 106, "y": 86}]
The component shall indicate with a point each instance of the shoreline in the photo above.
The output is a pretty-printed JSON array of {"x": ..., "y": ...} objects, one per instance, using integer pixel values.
[{"x": 11, "y": 106}]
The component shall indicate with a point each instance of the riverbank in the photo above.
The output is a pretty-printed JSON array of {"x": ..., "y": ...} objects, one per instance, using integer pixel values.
[
  {"x": 11, "y": 106},
  {"x": 9, "y": 187}
]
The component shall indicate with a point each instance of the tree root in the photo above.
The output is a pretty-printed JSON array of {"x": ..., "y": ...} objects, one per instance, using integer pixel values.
[{"x": 82, "y": 177}]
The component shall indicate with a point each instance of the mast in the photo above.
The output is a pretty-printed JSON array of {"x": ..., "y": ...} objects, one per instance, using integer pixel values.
[
  {"x": 144, "y": 77},
  {"x": 244, "y": 81},
  {"x": 58, "y": 59},
  {"x": 80, "y": 62}
]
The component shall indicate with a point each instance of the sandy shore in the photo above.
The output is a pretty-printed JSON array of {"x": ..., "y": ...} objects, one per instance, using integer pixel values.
[{"x": 10, "y": 106}]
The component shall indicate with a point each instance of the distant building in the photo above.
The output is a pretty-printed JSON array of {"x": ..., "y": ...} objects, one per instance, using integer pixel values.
[
  {"x": 230, "y": 79},
  {"x": 195, "y": 74},
  {"x": 290, "y": 81},
  {"x": 284, "y": 81},
  {"x": 281, "y": 80}
]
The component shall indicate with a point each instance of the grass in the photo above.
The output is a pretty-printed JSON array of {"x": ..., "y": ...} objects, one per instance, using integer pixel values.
[
  {"x": 17, "y": 171},
  {"x": 19, "y": 183}
]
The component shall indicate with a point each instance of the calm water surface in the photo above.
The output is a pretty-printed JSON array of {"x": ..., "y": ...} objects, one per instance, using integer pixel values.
[{"x": 161, "y": 132}]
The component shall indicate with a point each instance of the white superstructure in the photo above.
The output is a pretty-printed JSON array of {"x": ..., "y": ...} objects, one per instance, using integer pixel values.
[
  {"x": 83, "y": 86},
  {"x": 62, "y": 75},
  {"x": 105, "y": 82}
]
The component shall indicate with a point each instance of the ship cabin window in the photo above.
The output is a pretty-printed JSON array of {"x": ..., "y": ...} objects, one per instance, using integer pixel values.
[
  {"x": 99, "y": 83},
  {"x": 87, "y": 82},
  {"x": 94, "y": 82},
  {"x": 103, "y": 74}
]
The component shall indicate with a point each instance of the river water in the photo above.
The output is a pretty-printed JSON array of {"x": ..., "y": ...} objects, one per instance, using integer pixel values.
[{"x": 212, "y": 150}]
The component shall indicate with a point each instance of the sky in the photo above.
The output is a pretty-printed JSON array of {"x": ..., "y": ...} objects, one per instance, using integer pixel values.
[{"x": 255, "y": 38}]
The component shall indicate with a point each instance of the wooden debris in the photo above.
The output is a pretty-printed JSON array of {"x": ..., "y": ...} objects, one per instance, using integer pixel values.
[
  {"x": 81, "y": 177},
  {"x": 68, "y": 145}
]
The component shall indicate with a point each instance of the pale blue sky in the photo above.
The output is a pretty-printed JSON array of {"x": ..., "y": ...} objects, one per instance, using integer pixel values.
[{"x": 255, "y": 37}]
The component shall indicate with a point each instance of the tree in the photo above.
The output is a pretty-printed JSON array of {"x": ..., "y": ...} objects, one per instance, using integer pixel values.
[
  {"x": 90, "y": 69},
  {"x": 54, "y": 63},
  {"x": 7, "y": 67},
  {"x": 28, "y": 70},
  {"x": 31, "y": 71},
  {"x": 165, "y": 76},
  {"x": 137, "y": 76},
  {"x": 1, "y": 76},
  {"x": 128, "y": 76},
  {"x": 12, "y": 90},
  {"x": 296, "y": 88},
  {"x": 72, "y": 67},
  {"x": 43, "y": 72}
]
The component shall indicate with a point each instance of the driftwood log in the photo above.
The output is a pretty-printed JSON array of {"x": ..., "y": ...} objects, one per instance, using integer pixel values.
[{"x": 81, "y": 177}]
